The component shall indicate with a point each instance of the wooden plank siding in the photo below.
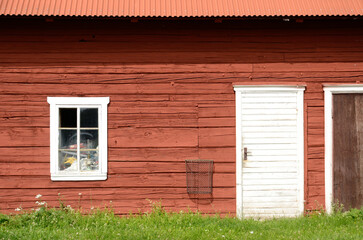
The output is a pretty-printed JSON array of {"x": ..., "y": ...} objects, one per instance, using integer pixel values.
[
  {"x": 171, "y": 98},
  {"x": 347, "y": 165}
]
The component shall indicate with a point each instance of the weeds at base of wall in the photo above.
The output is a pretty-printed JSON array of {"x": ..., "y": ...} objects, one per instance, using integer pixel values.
[
  {"x": 318, "y": 210},
  {"x": 65, "y": 222}
]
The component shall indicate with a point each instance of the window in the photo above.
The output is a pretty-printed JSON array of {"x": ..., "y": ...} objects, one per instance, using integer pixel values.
[{"x": 78, "y": 138}]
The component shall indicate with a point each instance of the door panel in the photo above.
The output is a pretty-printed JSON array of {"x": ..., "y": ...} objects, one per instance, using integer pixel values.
[
  {"x": 348, "y": 150},
  {"x": 271, "y": 131}
]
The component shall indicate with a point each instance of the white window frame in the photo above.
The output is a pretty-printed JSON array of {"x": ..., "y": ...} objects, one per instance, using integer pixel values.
[
  {"x": 329, "y": 90},
  {"x": 239, "y": 89},
  {"x": 59, "y": 102}
]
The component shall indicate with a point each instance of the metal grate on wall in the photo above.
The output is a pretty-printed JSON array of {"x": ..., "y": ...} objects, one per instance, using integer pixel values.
[{"x": 199, "y": 176}]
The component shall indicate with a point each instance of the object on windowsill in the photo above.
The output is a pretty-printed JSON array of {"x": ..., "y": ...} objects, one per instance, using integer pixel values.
[
  {"x": 74, "y": 146},
  {"x": 70, "y": 164}
]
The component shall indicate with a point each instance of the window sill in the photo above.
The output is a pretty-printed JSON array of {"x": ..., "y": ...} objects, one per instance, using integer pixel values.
[{"x": 96, "y": 177}]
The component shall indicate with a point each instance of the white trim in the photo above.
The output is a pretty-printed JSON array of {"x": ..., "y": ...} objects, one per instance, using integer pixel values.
[
  {"x": 103, "y": 138},
  {"x": 78, "y": 138},
  {"x": 99, "y": 102},
  {"x": 300, "y": 150},
  {"x": 53, "y": 137},
  {"x": 94, "y": 177},
  {"x": 244, "y": 88},
  {"x": 329, "y": 90},
  {"x": 79, "y": 100},
  {"x": 239, "y": 89},
  {"x": 328, "y": 97},
  {"x": 239, "y": 199}
]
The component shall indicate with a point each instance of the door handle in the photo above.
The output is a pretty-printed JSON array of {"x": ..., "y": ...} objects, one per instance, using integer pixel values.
[{"x": 245, "y": 153}]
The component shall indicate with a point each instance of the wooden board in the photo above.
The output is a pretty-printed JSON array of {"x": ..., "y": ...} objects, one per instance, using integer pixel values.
[
  {"x": 264, "y": 176},
  {"x": 347, "y": 138}
]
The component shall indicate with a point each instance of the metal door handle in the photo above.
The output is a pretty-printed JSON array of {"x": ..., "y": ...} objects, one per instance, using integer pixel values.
[{"x": 245, "y": 153}]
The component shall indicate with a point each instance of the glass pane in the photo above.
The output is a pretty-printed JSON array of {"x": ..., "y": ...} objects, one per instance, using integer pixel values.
[
  {"x": 68, "y": 160},
  {"x": 89, "y": 161},
  {"x": 89, "y": 117},
  {"x": 68, "y": 117},
  {"x": 68, "y": 139},
  {"x": 89, "y": 139}
]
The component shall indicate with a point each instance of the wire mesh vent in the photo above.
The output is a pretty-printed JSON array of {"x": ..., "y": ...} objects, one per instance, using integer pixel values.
[{"x": 199, "y": 176}]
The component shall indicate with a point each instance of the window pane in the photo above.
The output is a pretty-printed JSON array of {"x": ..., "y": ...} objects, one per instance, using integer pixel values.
[
  {"x": 67, "y": 160},
  {"x": 68, "y": 139},
  {"x": 89, "y": 139},
  {"x": 89, "y": 117},
  {"x": 89, "y": 161},
  {"x": 68, "y": 117}
]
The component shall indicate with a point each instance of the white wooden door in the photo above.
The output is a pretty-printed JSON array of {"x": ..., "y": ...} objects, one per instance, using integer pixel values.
[{"x": 270, "y": 151}]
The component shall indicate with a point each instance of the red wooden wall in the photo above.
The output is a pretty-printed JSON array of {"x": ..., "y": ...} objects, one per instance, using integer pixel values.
[{"x": 170, "y": 83}]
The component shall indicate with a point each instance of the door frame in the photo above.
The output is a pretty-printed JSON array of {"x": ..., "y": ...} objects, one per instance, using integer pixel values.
[
  {"x": 239, "y": 89},
  {"x": 329, "y": 90}
]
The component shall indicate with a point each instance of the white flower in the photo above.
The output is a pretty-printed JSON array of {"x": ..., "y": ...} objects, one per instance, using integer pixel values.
[
  {"x": 40, "y": 203},
  {"x": 38, "y": 196},
  {"x": 251, "y": 232},
  {"x": 18, "y": 209},
  {"x": 80, "y": 194}
]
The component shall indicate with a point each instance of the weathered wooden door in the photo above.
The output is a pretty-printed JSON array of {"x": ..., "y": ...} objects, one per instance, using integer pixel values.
[
  {"x": 348, "y": 150},
  {"x": 270, "y": 138}
]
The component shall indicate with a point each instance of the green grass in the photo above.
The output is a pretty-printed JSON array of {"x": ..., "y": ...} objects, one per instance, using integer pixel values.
[{"x": 69, "y": 224}]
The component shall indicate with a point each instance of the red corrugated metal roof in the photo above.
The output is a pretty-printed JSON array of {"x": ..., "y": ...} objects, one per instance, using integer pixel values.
[{"x": 181, "y": 8}]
